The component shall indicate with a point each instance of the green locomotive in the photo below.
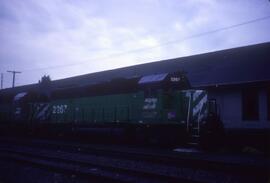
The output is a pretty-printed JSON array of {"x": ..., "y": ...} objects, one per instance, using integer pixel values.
[{"x": 155, "y": 108}]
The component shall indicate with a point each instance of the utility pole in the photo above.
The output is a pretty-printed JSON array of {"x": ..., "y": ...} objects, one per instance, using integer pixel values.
[
  {"x": 2, "y": 79},
  {"x": 14, "y": 73}
]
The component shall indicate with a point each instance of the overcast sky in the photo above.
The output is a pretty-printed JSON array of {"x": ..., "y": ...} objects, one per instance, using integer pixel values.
[{"x": 64, "y": 38}]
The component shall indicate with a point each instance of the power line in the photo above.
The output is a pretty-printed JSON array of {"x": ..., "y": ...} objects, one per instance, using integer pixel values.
[
  {"x": 160, "y": 45},
  {"x": 2, "y": 80},
  {"x": 14, "y": 73}
]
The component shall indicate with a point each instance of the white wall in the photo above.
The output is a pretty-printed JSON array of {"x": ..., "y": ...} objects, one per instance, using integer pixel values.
[{"x": 230, "y": 106}]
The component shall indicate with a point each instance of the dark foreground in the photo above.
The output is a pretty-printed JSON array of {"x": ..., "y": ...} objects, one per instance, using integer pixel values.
[{"x": 27, "y": 160}]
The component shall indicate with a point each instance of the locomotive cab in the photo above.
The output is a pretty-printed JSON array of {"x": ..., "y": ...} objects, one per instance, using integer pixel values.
[
  {"x": 161, "y": 96},
  {"x": 23, "y": 103},
  {"x": 20, "y": 108},
  {"x": 212, "y": 130},
  {"x": 203, "y": 123}
]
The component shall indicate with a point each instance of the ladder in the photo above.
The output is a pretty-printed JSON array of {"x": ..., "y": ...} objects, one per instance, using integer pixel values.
[{"x": 194, "y": 132}]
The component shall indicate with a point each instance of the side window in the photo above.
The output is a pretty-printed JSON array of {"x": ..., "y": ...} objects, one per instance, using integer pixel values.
[
  {"x": 212, "y": 106},
  {"x": 250, "y": 104}
]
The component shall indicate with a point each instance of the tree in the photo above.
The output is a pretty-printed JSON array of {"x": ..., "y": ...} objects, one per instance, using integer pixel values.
[
  {"x": 45, "y": 80},
  {"x": 45, "y": 85}
]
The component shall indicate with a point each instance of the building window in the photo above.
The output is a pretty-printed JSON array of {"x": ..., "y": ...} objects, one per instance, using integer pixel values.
[
  {"x": 250, "y": 104},
  {"x": 268, "y": 103}
]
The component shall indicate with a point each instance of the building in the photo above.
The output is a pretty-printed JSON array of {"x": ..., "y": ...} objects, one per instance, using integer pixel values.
[{"x": 238, "y": 78}]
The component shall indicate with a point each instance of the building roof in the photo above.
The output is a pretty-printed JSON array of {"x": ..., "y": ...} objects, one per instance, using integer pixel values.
[{"x": 232, "y": 66}]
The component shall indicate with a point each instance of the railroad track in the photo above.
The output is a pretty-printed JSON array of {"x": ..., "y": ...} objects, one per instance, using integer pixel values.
[
  {"x": 126, "y": 166},
  {"x": 99, "y": 167}
]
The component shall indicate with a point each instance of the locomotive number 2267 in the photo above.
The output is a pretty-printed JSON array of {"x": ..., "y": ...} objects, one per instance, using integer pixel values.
[{"x": 59, "y": 109}]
